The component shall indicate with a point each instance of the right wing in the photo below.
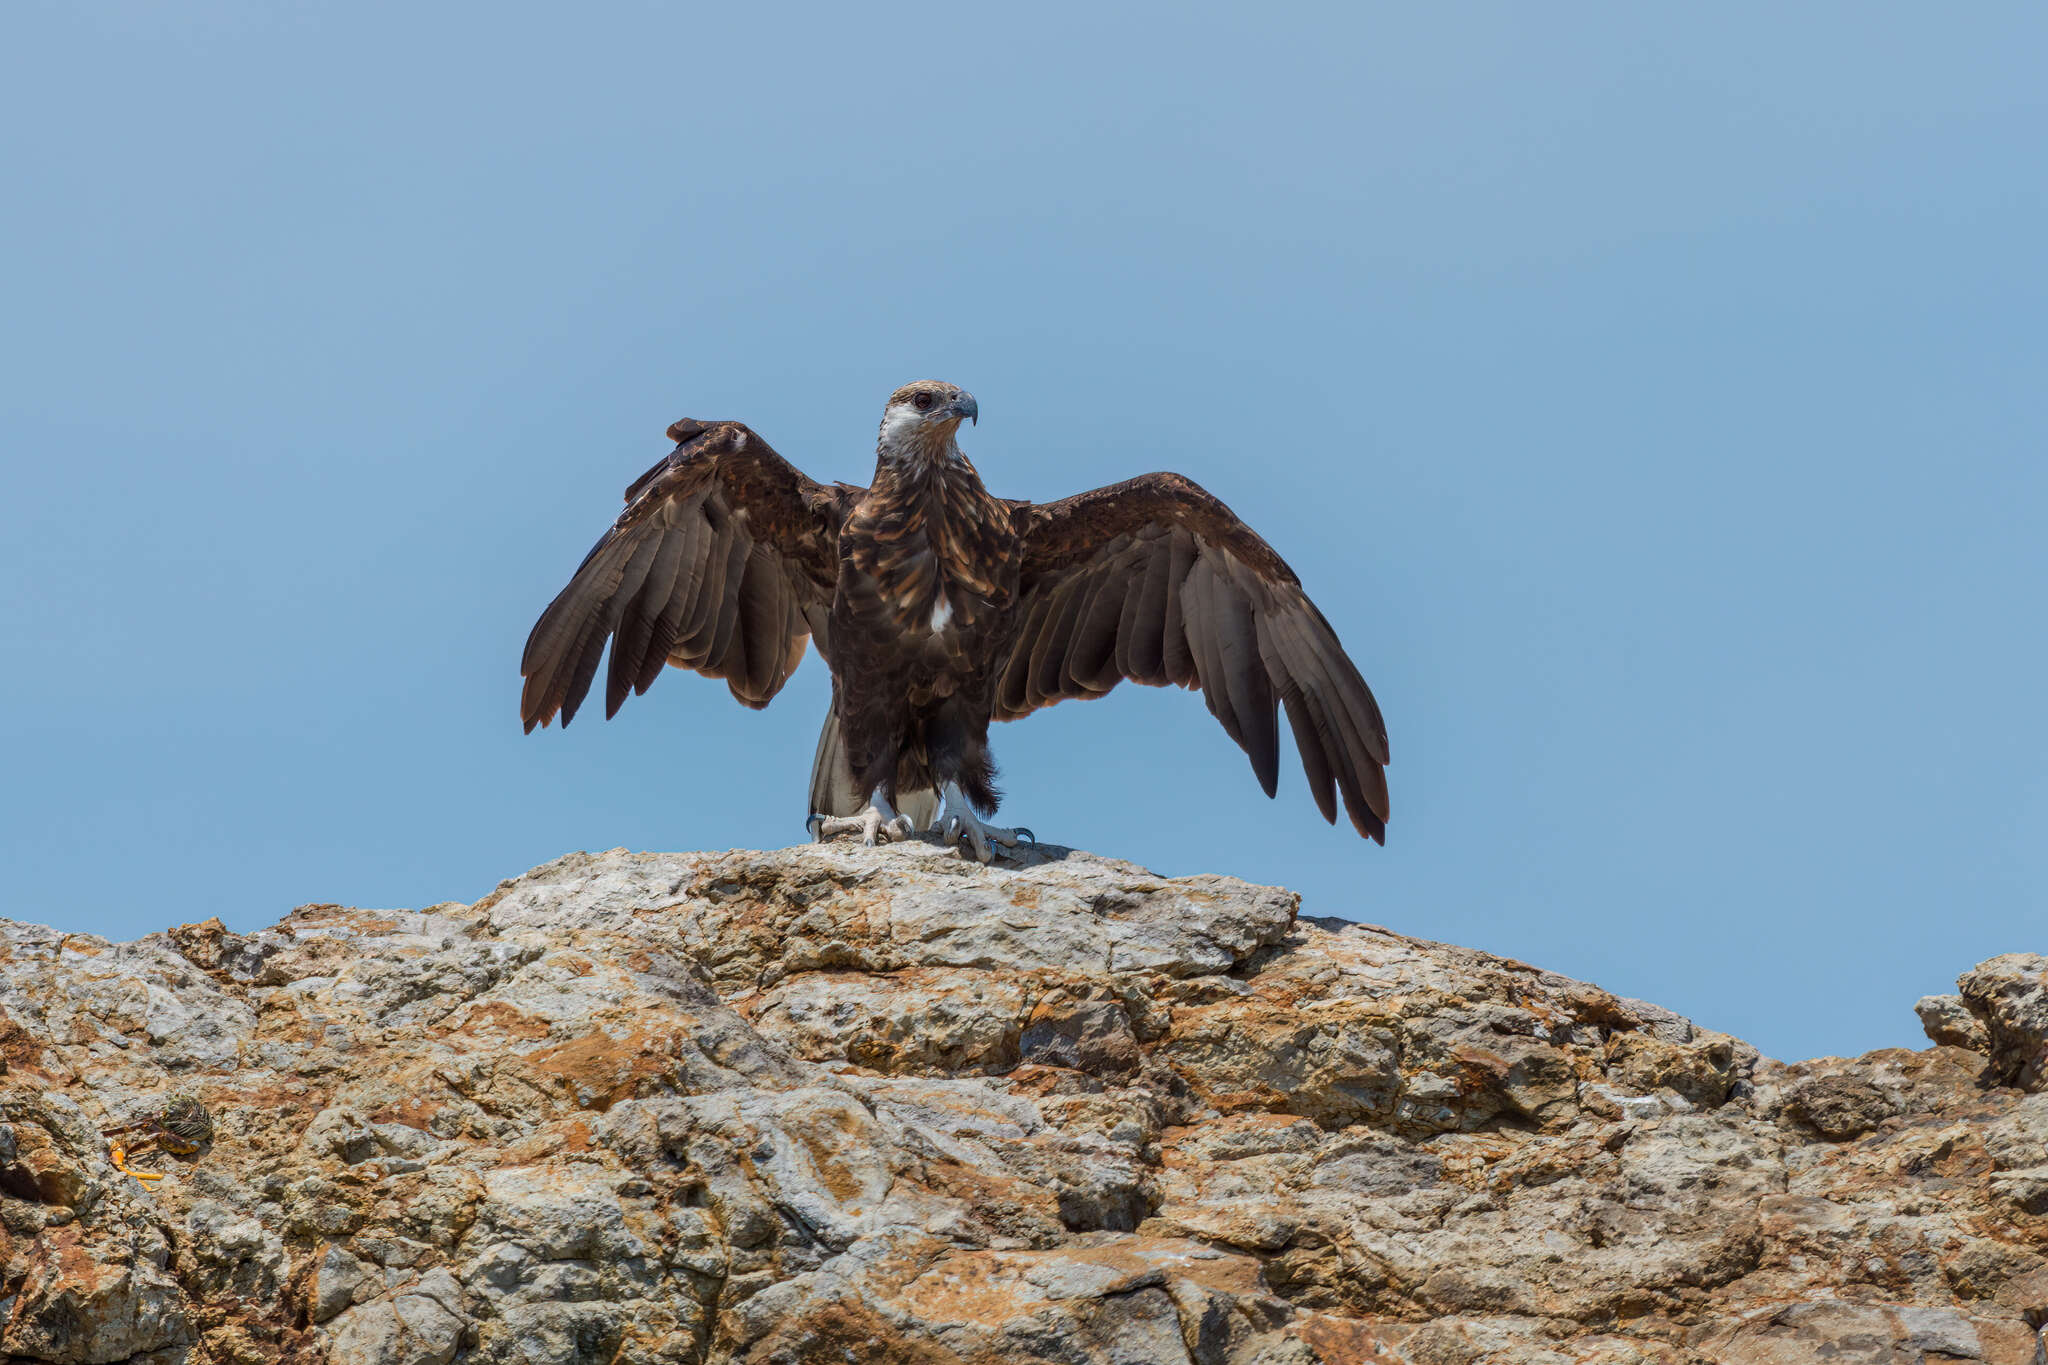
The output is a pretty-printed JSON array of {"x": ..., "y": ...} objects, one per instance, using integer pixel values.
[{"x": 723, "y": 561}]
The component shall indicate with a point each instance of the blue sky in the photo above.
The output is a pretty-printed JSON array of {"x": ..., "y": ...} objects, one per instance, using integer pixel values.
[{"x": 1652, "y": 399}]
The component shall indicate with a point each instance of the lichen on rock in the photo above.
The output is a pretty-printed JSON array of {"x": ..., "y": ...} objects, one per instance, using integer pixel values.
[{"x": 877, "y": 1105}]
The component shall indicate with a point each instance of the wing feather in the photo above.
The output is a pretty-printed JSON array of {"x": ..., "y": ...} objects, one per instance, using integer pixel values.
[
  {"x": 1200, "y": 621},
  {"x": 1343, "y": 753},
  {"x": 1013, "y": 688},
  {"x": 720, "y": 661},
  {"x": 1175, "y": 658},
  {"x": 693, "y": 649},
  {"x": 1251, "y": 691},
  {"x": 1147, "y": 619},
  {"x": 1091, "y": 645},
  {"x": 1049, "y": 653},
  {"x": 631, "y": 579},
  {"x": 764, "y": 629},
  {"x": 641, "y": 622},
  {"x": 556, "y": 646},
  {"x": 694, "y": 549},
  {"x": 1315, "y": 759}
]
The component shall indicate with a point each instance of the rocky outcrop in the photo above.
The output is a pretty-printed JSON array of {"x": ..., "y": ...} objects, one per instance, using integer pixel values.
[{"x": 880, "y": 1106}]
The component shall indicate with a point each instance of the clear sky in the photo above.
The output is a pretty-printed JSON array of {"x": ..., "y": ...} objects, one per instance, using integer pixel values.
[{"x": 1652, "y": 397}]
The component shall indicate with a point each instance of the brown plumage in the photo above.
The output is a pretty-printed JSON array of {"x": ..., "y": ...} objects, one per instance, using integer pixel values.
[{"x": 940, "y": 608}]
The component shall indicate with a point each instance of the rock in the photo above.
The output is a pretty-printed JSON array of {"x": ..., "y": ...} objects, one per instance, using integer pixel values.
[
  {"x": 418, "y": 1324},
  {"x": 337, "y": 1279},
  {"x": 1948, "y": 1021},
  {"x": 880, "y": 1106},
  {"x": 1881, "y": 1333},
  {"x": 1838, "y": 1107},
  {"x": 87, "y": 1296},
  {"x": 2009, "y": 995}
]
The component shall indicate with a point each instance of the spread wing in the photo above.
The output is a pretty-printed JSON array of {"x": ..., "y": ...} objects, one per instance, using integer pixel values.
[
  {"x": 1156, "y": 581},
  {"x": 723, "y": 562}
]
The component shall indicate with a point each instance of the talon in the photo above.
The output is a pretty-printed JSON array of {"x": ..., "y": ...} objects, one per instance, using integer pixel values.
[
  {"x": 982, "y": 840},
  {"x": 879, "y": 823},
  {"x": 1025, "y": 834}
]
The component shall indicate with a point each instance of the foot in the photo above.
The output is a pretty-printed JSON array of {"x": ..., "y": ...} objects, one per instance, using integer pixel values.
[
  {"x": 878, "y": 824},
  {"x": 962, "y": 829}
]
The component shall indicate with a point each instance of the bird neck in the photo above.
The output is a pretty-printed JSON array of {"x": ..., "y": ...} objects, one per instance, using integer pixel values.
[{"x": 915, "y": 463}]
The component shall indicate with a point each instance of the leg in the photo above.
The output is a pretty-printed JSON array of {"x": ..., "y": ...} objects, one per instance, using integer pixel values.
[
  {"x": 966, "y": 777},
  {"x": 878, "y": 824},
  {"x": 849, "y": 762},
  {"x": 963, "y": 829}
]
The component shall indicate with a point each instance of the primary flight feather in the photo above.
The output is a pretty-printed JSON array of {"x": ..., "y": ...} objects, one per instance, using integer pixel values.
[{"x": 940, "y": 608}]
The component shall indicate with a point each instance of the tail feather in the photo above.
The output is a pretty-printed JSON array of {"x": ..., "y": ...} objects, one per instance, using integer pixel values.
[
  {"x": 921, "y": 806},
  {"x": 835, "y": 790}
]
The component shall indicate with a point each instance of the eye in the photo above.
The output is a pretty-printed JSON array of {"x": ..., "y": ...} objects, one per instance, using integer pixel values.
[{"x": 922, "y": 402}]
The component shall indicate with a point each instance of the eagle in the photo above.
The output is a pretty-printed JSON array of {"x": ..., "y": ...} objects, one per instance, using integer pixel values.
[{"x": 940, "y": 608}]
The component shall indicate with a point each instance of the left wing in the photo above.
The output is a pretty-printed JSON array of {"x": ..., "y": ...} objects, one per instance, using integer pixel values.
[{"x": 1154, "y": 580}]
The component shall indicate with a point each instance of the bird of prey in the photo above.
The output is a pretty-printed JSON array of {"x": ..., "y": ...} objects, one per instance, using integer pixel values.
[{"x": 940, "y": 608}]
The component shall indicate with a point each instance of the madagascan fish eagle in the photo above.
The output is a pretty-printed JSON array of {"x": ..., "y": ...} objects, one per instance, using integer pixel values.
[{"x": 939, "y": 608}]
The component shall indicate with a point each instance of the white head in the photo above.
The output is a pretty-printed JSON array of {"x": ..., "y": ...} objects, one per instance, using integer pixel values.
[{"x": 920, "y": 420}]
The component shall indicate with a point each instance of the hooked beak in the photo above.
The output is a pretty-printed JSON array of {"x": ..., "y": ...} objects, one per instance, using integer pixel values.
[{"x": 965, "y": 406}]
